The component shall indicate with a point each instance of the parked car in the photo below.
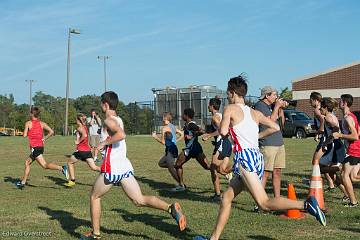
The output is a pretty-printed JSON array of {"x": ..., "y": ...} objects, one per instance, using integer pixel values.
[
  {"x": 298, "y": 124},
  {"x": 3, "y": 134}
]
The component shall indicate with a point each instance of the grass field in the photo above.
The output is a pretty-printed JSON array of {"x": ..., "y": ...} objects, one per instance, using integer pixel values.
[{"x": 61, "y": 213}]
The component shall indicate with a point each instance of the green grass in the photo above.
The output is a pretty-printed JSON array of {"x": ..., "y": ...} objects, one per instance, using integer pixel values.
[{"x": 46, "y": 206}]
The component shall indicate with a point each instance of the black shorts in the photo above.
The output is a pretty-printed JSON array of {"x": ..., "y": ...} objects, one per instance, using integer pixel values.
[
  {"x": 223, "y": 146},
  {"x": 35, "y": 152},
  {"x": 195, "y": 150},
  {"x": 80, "y": 155},
  {"x": 352, "y": 160},
  {"x": 173, "y": 150}
]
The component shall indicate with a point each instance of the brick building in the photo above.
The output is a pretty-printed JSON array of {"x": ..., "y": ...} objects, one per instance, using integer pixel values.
[{"x": 331, "y": 83}]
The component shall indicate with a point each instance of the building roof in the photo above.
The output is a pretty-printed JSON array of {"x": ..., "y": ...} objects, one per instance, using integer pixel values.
[{"x": 327, "y": 71}]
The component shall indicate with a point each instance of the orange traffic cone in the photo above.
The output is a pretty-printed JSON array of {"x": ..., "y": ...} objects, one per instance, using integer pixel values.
[
  {"x": 293, "y": 213},
  {"x": 316, "y": 186}
]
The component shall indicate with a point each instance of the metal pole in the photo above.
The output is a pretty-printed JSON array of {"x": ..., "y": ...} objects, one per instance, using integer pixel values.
[
  {"x": 30, "y": 92},
  {"x": 67, "y": 87}
]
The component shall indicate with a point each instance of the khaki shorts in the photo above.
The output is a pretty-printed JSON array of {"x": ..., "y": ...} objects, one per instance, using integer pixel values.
[
  {"x": 274, "y": 157},
  {"x": 168, "y": 159},
  {"x": 94, "y": 141}
]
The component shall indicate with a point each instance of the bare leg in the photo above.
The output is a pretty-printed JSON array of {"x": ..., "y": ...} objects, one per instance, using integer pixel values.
[
  {"x": 178, "y": 166},
  {"x": 330, "y": 180},
  {"x": 92, "y": 165},
  {"x": 215, "y": 163},
  {"x": 201, "y": 158},
  {"x": 41, "y": 160},
  {"x": 265, "y": 178},
  {"x": 347, "y": 182},
  {"x": 71, "y": 167},
  {"x": 28, "y": 162},
  {"x": 133, "y": 191},
  {"x": 167, "y": 161},
  {"x": 235, "y": 187},
  {"x": 98, "y": 190},
  {"x": 355, "y": 173},
  {"x": 276, "y": 181}
]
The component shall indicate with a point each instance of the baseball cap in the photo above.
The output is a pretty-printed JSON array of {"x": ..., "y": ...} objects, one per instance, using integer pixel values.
[{"x": 267, "y": 90}]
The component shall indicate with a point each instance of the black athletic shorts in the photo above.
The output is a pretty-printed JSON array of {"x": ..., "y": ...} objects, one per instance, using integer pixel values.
[
  {"x": 173, "y": 150},
  {"x": 80, "y": 155},
  {"x": 35, "y": 152},
  {"x": 195, "y": 150},
  {"x": 352, "y": 160},
  {"x": 223, "y": 146}
]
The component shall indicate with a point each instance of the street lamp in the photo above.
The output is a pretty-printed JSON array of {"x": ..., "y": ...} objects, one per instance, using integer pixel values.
[
  {"x": 30, "y": 91},
  {"x": 104, "y": 58},
  {"x": 74, "y": 31}
]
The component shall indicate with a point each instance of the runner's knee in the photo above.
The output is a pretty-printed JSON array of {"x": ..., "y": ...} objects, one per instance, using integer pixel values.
[{"x": 139, "y": 201}]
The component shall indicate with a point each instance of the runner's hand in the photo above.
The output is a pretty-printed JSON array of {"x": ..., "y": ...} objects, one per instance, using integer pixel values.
[{"x": 205, "y": 137}]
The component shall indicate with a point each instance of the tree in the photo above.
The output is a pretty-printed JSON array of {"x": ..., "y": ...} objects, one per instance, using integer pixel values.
[{"x": 286, "y": 93}]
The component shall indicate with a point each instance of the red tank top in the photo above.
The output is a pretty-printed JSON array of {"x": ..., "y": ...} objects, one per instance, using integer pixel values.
[
  {"x": 83, "y": 146},
  {"x": 354, "y": 146},
  {"x": 36, "y": 134}
]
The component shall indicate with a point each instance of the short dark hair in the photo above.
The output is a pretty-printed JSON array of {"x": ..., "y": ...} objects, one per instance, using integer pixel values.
[
  {"x": 348, "y": 98},
  {"x": 35, "y": 111},
  {"x": 110, "y": 98},
  {"x": 93, "y": 110},
  {"x": 316, "y": 96},
  {"x": 79, "y": 116},
  {"x": 329, "y": 103},
  {"x": 215, "y": 102},
  {"x": 189, "y": 112},
  {"x": 238, "y": 85}
]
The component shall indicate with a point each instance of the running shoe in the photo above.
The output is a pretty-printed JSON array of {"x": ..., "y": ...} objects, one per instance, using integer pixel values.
[
  {"x": 89, "y": 236},
  {"x": 176, "y": 213},
  {"x": 345, "y": 199},
  {"x": 312, "y": 206},
  {"x": 19, "y": 185},
  {"x": 330, "y": 190},
  {"x": 216, "y": 197},
  {"x": 200, "y": 238},
  {"x": 178, "y": 188},
  {"x": 351, "y": 205},
  {"x": 65, "y": 171},
  {"x": 69, "y": 184}
]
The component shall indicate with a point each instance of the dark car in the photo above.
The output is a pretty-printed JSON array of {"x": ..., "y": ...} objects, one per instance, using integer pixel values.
[
  {"x": 3, "y": 134},
  {"x": 298, "y": 124}
]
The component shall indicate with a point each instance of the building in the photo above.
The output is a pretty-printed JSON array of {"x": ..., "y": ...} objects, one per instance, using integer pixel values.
[
  {"x": 331, "y": 83},
  {"x": 175, "y": 100}
]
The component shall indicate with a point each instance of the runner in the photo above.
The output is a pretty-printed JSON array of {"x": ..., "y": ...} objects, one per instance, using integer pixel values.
[
  {"x": 243, "y": 124},
  {"x": 83, "y": 150},
  {"x": 168, "y": 138},
  {"x": 192, "y": 148},
  {"x": 34, "y": 131},
  {"x": 116, "y": 168},
  {"x": 222, "y": 149}
]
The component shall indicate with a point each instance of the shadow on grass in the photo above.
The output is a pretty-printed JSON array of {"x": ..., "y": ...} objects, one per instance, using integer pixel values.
[
  {"x": 61, "y": 181},
  {"x": 157, "y": 222},
  {"x": 13, "y": 181},
  {"x": 355, "y": 230},
  {"x": 69, "y": 223},
  {"x": 260, "y": 237},
  {"x": 164, "y": 190}
]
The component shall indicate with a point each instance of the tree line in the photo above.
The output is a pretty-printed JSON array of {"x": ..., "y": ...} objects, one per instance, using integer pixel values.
[{"x": 137, "y": 119}]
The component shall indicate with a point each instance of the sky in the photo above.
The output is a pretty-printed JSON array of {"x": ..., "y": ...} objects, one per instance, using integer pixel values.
[{"x": 155, "y": 44}]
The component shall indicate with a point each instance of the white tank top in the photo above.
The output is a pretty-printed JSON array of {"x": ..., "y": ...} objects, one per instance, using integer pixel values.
[
  {"x": 118, "y": 148},
  {"x": 246, "y": 133}
]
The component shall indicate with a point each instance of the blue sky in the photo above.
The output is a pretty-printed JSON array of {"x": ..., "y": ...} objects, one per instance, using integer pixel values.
[{"x": 171, "y": 43}]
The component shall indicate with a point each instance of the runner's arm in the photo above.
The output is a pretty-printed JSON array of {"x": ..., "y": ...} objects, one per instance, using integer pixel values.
[
  {"x": 118, "y": 133},
  {"x": 26, "y": 129},
  {"x": 181, "y": 133},
  {"x": 225, "y": 122},
  {"x": 156, "y": 137},
  {"x": 48, "y": 129},
  {"x": 353, "y": 136},
  {"x": 216, "y": 120}
]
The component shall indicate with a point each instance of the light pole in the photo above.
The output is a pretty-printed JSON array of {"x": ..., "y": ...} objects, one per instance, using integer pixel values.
[
  {"x": 74, "y": 31},
  {"x": 30, "y": 91},
  {"x": 104, "y": 58}
]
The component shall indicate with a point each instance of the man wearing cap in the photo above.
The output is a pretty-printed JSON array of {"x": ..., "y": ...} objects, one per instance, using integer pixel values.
[{"x": 272, "y": 147}]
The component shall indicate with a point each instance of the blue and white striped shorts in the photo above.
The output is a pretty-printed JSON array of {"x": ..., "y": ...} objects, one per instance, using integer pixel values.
[
  {"x": 251, "y": 159},
  {"x": 116, "y": 178}
]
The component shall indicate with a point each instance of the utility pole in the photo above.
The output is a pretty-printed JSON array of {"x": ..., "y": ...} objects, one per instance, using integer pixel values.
[
  {"x": 30, "y": 92},
  {"x": 104, "y": 58}
]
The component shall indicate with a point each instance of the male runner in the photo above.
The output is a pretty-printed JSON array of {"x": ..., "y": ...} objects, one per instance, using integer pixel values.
[
  {"x": 243, "y": 124},
  {"x": 83, "y": 150},
  {"x": 222, "y": 149},
  {"x": 168, "y": 138},
  {"x": 116, "y": 168},
  {"x": 192, "y": 148},
  {"x": 34, "y": 131}
]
